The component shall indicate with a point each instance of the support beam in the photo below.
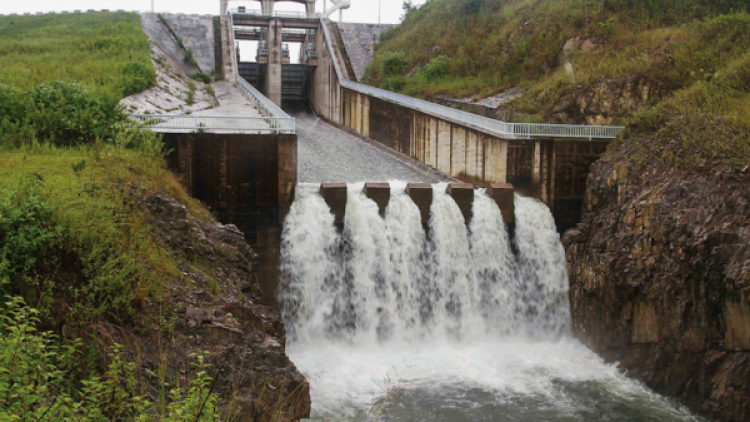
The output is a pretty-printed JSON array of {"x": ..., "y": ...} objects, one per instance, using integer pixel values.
[
  {"x": 421, "y": 195},
  {"x": 335, "y": 196},
  {"x": 273, "y": 69},
  {"x": 463, "y": 194},
  {"x": 380, "y": 193},
  {"x": 502, "y": 194}
]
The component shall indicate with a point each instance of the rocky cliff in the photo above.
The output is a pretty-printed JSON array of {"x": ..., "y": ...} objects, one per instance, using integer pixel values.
[
  {"x": 215, "y": 308},
  {"x": 660, "y": 278}
]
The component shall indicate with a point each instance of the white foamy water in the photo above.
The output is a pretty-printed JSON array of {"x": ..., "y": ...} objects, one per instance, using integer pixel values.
[{"x": 390, "y": 320}]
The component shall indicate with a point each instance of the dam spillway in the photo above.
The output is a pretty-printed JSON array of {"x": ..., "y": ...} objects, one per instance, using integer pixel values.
[{"x": 390, "y": 319}]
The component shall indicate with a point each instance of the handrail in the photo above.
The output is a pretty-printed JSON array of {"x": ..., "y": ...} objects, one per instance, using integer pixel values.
[
  {"x": 481, "y": 123},
  {"x": 267, "y": 107},
  {"x": 287, "y": 15},
  {"x": 231, "y": 124}
]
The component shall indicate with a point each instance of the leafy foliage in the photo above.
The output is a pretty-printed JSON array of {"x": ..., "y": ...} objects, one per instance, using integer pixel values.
[
  {"x": 436, "y": 69},
  {"x": 36, "y": 382},
  {"x": 137, "y": 77},
  {"x": 62, "y": 113},
  {"x": 200, "y": 76}
]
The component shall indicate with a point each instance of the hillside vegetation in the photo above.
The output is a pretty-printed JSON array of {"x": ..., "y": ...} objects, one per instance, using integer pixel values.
[
  {"x": 101, "y": 248},
  {"x": 679, "y": 62},
  {"x": 106, "y": 51}
]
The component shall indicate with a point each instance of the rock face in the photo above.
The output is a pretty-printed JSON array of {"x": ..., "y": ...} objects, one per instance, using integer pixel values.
[
  {"x": 608, "y": 100},
  {"x": 214, "y": 307},
  {"x": 660, "y": 279}
]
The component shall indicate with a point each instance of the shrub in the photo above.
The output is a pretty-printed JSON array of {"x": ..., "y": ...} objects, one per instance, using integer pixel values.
[
  {"x": 66, "y": 114},
  {"x": 436, "y": 69},
  {"x": 13, "y": 104},
  {"x": 137, "y": 77},
  {"x": 394, "y": 64},
  {"x": 36, "y": 382},
  {"x": 200, "y": 76}
]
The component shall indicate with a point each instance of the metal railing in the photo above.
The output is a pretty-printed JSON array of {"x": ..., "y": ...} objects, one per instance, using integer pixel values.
[
  {"x": 283, "y": 15},
  {"x": 225, "y": 124},
  {"x": 475, "y": 121},
  {"x": 282, "y": 121}
]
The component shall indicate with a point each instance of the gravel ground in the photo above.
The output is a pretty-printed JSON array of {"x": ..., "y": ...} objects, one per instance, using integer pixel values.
[{"x": 327, "y": 154}]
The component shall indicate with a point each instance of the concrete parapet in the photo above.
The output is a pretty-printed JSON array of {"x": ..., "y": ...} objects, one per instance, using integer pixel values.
[
  {"x": 335, "y": 196},
  {"x": 421, "y": 195},
  {"x": 380, "y": 193},
  {"x": 502, "y": 194},
  {"x": 463, "y": 194}
]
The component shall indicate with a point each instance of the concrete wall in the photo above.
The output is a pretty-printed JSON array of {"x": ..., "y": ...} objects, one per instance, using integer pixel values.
[
  {"x": 246, "y": 180},
  {"x": 552, "y": 170}
]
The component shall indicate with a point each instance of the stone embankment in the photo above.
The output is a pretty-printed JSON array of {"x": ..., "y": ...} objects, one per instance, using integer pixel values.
[
  {"x": 359, "y": 41},
  {"x": 660, "y": 279}
]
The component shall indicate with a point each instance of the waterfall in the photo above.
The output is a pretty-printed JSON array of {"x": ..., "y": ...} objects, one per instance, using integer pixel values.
[
  {"x": 384, "y": 279},
  {"x": 392, "y": 320}
]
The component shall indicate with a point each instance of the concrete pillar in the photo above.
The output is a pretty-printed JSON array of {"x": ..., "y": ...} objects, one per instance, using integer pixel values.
[
  {"x": 310, "y": 8},
  {"x": 536, "y": 169},
  {"x": 444, "y": 147},
  {"x": 224, "y": 7},
  {"x": 421, "y": 195},
  {"x": 502, "y": 194},
  {"x": 273, "y": 69},
  {"x": 267, "y": 6},
  {"x": 380, "y": 193},
  {"x": 458, "y": 152},
  {"x": 463, "y": 194},
  {"x": 366, "y": 116},
  {"x": 335, "y": 196}
]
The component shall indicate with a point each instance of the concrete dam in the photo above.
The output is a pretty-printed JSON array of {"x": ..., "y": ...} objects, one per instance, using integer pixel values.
[{"x": 413, "y": 249}]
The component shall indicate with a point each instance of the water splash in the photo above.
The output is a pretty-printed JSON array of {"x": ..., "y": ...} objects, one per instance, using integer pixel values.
[{"x": 447, "y": 322}]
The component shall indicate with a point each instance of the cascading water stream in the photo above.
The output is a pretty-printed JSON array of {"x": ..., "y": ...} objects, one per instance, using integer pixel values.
[{"x": 395, "y": 321}]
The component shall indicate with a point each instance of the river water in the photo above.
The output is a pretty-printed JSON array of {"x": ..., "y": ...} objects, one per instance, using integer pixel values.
[{"x": 392, "y": 322}]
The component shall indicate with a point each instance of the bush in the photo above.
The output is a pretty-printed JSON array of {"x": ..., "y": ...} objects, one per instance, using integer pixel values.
[
  {"x": 66, "y": 114},
  {"x": 13, "y": 104},
  {"x": 394, "y": 64},
  {"x": 36, "y": 382},
  {"x": 137, "y": 77},
  {"x": 200, "y": 76},
  {"x": 436, "y": 69}
]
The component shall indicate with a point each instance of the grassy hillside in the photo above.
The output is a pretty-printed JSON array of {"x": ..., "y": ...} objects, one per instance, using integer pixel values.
[
  {"x": 480, "y": 47},
  {"x": 106, "y": 51},
  {"x": 561, "y": 53}
]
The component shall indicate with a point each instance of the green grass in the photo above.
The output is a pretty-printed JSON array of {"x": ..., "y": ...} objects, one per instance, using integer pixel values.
[
  {"x": 695, "y": 50},
  {"x": 517, "y": 43},
  {"x": 101, "y": 262},
  {"x": 107, "y": 51}
]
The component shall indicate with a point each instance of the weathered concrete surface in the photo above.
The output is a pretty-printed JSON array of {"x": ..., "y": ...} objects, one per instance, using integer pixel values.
[
  {"x": 421, "y": 195},
  {"x": 197, "y": 34},
  {"x": 329, "y": 154},
  {"x": 503, "y": 195},
  {"x": 380, "y": 193},
  {"x": 246, "y": 180},
  {"x": 463, "y": 194},
  {"x": 359, "y": 41},
  {"x": 335, "y": 196},
  {"x": 660, "y": 279},
  {"x": 231, "y": 103},
  {"x": 172, "y": 89},
  {"x": 272, "y": 81}
]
